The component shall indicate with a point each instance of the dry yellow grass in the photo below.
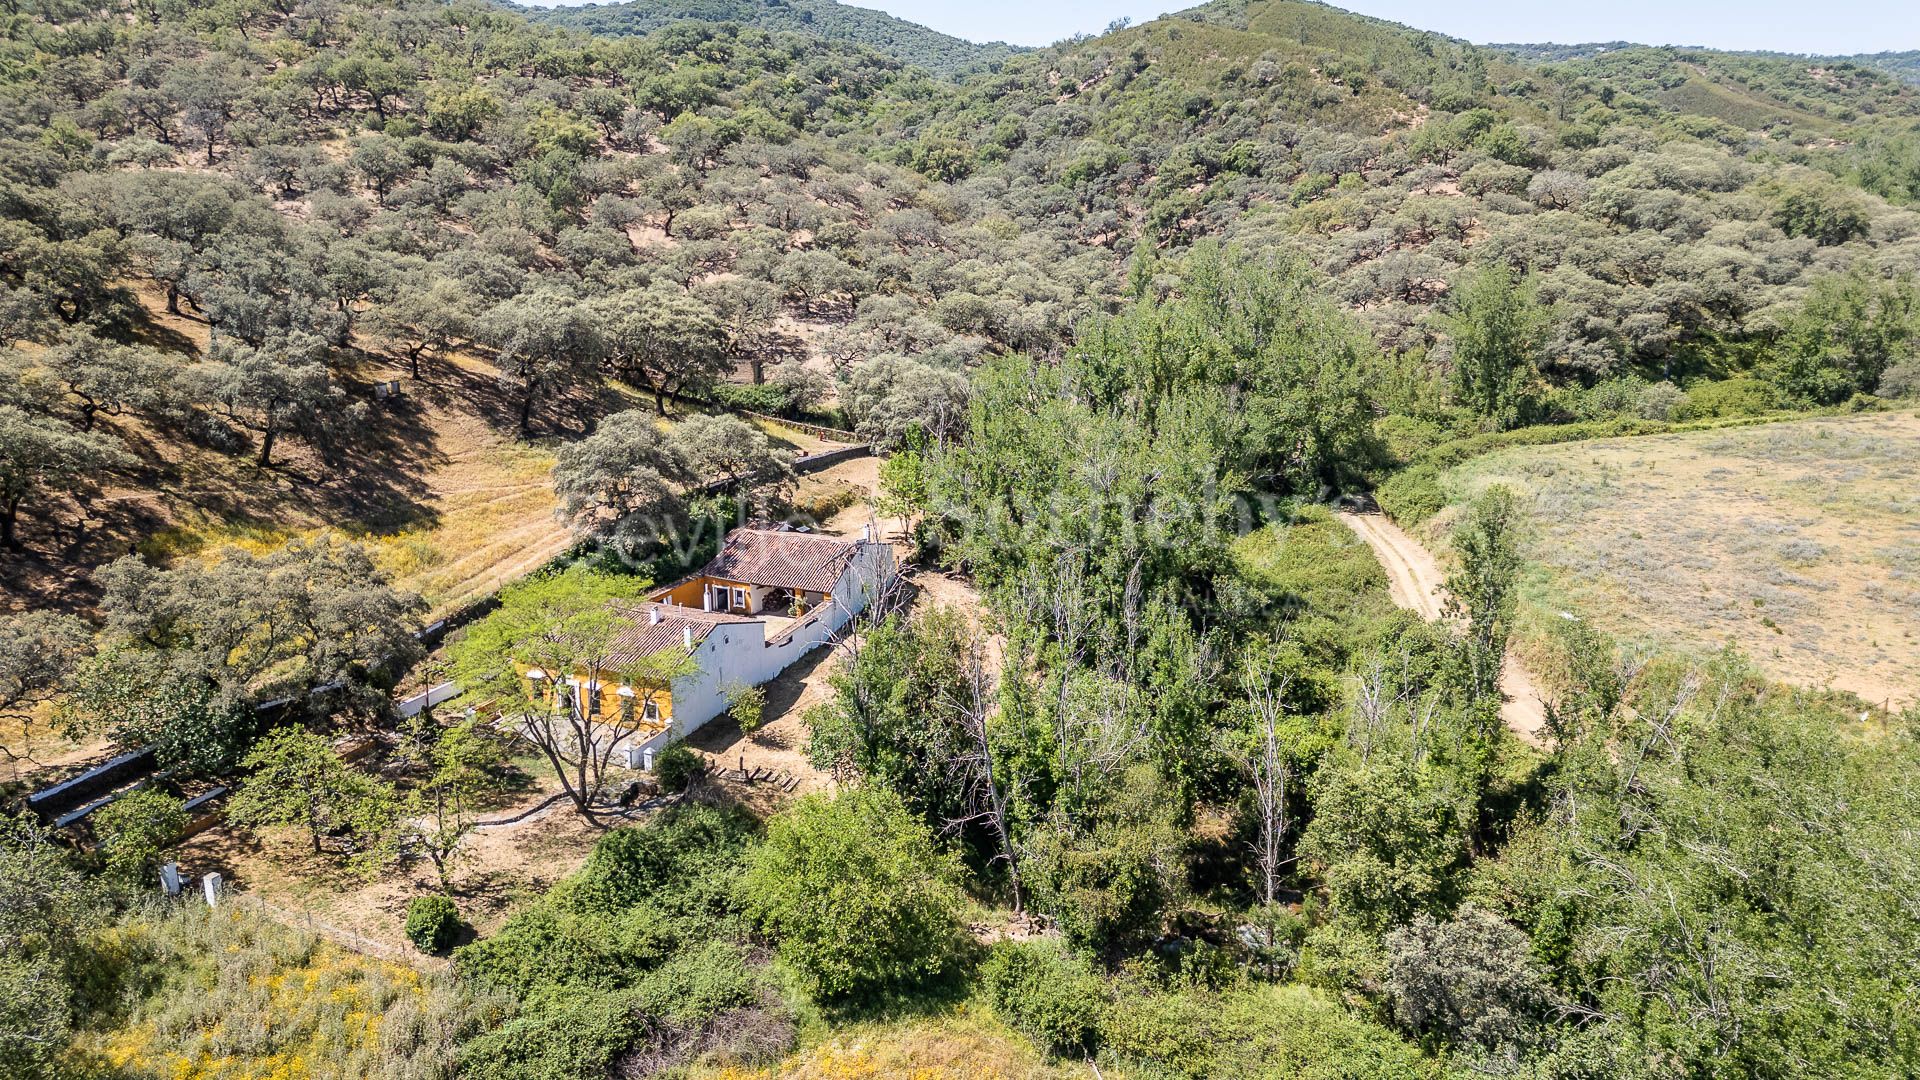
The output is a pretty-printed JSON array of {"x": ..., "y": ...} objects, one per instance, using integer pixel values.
[
  {"x": 1798, "y": 542},
  {"x": 234, "y": 997}
]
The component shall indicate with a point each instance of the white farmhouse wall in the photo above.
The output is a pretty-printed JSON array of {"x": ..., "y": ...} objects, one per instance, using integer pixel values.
[{"x": 739, "y": 653}]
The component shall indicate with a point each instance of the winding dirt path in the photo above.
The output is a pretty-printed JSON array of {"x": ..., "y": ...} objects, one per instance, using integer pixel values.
[{"x": 1416, "y": 583}]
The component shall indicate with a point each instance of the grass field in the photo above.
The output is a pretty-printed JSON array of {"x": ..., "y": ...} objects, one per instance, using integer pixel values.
[{"x": 1798, "y": 542}]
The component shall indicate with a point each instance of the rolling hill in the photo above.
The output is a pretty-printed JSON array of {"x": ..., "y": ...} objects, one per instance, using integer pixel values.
[
  {"x": 1901, "y": 65},
  {"x": 908, "y": 42}
]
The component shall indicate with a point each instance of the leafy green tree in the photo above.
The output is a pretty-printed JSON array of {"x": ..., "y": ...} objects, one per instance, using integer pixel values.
[
  {"x": 1850, "y": 330},
  {"x": 734, "y": 453},
  {"x": 382, "y": 161},
  {"x": 814, "y": 276},
  {"x": 747, "y": 706},
  {"x": 1823, "y": 212},
  {"x": 623, "y": 481},
  {"x": 106, "y": 378},
  {"x": 47, "y": 907},
  {"x": 565, "y": 626},
  {"x": 1483, "y": 590},
  {"x": 664, "y": 339},
  {"x": 1498, "y": 329},
  {"x": 281, "y": 385},
  {"x": 1386, "y": 842},
  {"x": 1110, "y": 877},
  {"x": 547, "y": 343},
  {"x": 904, "y": 483},
  {"x": 1471, "y": 981},
  {"x": 890, "y": 396},
  {"x": 39, "y": 455},
  {"x": 135, "y": 832},
  {"x": 422, "y": 311},
  {"x": 856, "y": 894},
  {"x": 39, "y": 651},
  {"x": 308, "y": 616},
  {"x": 891, "y": 721},
  {"x": 138, "y": 698},
  {"x": 441, "y": 810},
  {"x": 747, "y": 308},
  {"x": 296, "y": 779}
]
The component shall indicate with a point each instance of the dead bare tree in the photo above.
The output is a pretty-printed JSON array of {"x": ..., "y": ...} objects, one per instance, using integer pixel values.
[
  {"x": 987, "y": 794},
  {"x": 1266, "y": 766}
]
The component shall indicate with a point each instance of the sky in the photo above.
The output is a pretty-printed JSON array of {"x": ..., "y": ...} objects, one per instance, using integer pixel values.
[{"x": 1823, "y": 26}]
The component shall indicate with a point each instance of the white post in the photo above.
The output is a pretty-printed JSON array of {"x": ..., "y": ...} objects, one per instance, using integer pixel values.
[
  {"x": 211, "y": 886},
  {"x": 170, "y": 879}
]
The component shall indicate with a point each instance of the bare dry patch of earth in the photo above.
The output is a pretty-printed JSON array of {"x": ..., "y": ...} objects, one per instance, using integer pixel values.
[{"x": 1797, "y": 542}]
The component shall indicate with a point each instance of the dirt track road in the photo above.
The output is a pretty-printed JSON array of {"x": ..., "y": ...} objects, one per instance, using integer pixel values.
[{"x": 1417, "y": 584}]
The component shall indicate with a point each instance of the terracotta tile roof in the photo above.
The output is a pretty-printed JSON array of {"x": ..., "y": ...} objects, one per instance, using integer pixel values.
[
  {"x": 642, "y": 637},
  {"x": 783, "y": 560}
]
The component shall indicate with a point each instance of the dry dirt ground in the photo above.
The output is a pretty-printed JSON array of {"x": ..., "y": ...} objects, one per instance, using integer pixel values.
[
  {"x": 1417, "y": 583},
  {"x": 1797, "y": 542}
]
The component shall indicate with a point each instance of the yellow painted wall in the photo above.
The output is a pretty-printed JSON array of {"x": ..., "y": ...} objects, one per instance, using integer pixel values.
[{"x": 610, "y": 700}]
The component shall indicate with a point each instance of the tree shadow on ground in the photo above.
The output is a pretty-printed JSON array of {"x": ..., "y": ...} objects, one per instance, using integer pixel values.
[{"x": 377, "y": 481}]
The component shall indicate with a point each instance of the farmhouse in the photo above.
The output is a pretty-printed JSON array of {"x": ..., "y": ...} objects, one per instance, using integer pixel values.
[{"x": 768, "y": 598}]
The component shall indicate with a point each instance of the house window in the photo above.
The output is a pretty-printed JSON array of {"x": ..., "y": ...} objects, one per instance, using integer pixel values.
[
  {"x": 740, "y": 599},
  {"x": 653, "y": 711}
]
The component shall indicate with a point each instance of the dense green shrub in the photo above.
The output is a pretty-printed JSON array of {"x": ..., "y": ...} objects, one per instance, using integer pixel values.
[
  {"x": 136, "y": 830},
  {"x": 676, "y": 766},
  {"x": 1268, "y": 1033},
  {"x": 1047, "y": 994},
  {"x": 1405, "y": 438},
  {"x": 550, "y": 944},
  {"x": 856, "y": 893},
  {"x": 433, "y": 922},
  {"x": 1110, "y": 885},
  {"x": 1411, "y": 495},
  {"x": 572, "y": 1036},
  {"x": 684, "y": 862},
  {"x": 765, "y": 398},
  {"x": 645, "y": 894},
  {"x": 1743, "y": 396},
  {"x": 1902, "y": 380}
]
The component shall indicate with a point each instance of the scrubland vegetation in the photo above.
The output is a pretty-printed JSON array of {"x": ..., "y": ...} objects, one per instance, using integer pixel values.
[{"x": 1178, "y": 792}]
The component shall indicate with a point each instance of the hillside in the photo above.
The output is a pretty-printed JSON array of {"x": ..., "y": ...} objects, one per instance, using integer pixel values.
[
  {"x": 319, "y": 319},
  {"x": 1904, "y": 66},
  {"x": 1389, "y": 159},
  {"x": 846, "y": 24}
]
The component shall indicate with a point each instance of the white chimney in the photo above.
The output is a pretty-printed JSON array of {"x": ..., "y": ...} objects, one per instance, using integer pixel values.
[
  {"x": 866, "y": 532},
  {"x": 653, "y": 616},
  {"x": 686, "y": 635},
  {"x": 706, "y": 598}
]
